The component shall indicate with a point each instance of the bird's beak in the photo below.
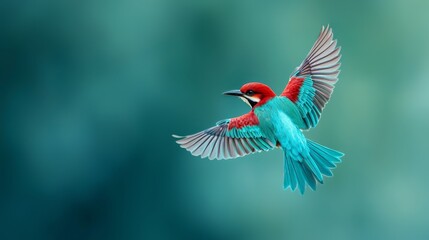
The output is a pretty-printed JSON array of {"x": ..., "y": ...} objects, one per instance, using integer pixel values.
[{"x": 237, "y": 93}]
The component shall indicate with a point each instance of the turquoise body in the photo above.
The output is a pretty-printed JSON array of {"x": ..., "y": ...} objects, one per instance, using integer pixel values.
[{"x": 305, "y": 161}]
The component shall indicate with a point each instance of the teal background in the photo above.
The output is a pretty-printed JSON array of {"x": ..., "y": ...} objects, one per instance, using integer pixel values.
[{"x": 91, "y": 92}]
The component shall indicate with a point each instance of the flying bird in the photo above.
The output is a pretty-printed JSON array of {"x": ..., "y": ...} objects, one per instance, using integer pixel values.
[{"x": 277, "y": 121}]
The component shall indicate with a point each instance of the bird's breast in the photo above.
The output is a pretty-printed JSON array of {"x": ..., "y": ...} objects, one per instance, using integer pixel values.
[{"x": 280, "y": 128}]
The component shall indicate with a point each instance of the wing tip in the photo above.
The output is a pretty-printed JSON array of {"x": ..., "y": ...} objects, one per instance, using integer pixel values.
[
  {"x": 328, "y": 26},
  {"x": 177, "y": 136}
]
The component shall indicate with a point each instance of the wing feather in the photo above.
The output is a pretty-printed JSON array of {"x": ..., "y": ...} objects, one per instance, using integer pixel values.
[
  {"x": 311, "y": 85},
  {"x": 225, "y": 142}
]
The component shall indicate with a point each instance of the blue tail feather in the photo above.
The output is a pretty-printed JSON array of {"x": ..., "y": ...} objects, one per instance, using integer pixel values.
[
  {"x": 314, "y": 168},
  {"x": 327, "y": 150},
  {"x": 319, "y": 162},
  {"x": 310, "y": 179},
  {"x": 289, "y": 175},
  {"x": 324, "y": 169},
  {"x": 299, "y": 175}
]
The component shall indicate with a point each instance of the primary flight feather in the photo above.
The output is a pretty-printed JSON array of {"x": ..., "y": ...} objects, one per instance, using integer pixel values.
[{"x": 277, "y": 121}]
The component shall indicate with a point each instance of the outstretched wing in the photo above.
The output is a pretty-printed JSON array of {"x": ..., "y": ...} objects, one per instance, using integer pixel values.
[
  {"x": 312, "y": 84},
  {"x": 230, "y": 138}
]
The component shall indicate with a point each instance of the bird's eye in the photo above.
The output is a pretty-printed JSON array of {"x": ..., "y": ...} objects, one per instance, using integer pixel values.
[{"x": 250, "y": 93}]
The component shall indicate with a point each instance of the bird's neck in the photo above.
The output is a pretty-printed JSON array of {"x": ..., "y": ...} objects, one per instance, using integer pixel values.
[{"x": 263, "y": 101}]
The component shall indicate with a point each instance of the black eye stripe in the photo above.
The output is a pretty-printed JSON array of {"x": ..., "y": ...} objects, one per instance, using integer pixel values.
[
  {"x": 250, "y": 93},
  {"x": 252, "y": 103}
]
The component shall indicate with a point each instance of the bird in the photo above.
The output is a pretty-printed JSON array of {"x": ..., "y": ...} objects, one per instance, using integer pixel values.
[{"x": 278, "y": 121}]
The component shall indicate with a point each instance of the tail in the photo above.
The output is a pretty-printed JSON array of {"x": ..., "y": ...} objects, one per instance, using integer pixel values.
[{"x": 318, "y": 162}]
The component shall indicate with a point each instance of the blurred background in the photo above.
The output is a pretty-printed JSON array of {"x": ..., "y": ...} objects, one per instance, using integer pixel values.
[{"x": 91, "y": 92}]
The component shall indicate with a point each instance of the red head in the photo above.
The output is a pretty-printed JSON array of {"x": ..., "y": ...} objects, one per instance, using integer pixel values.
[{"x": 255, "y": 94}]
